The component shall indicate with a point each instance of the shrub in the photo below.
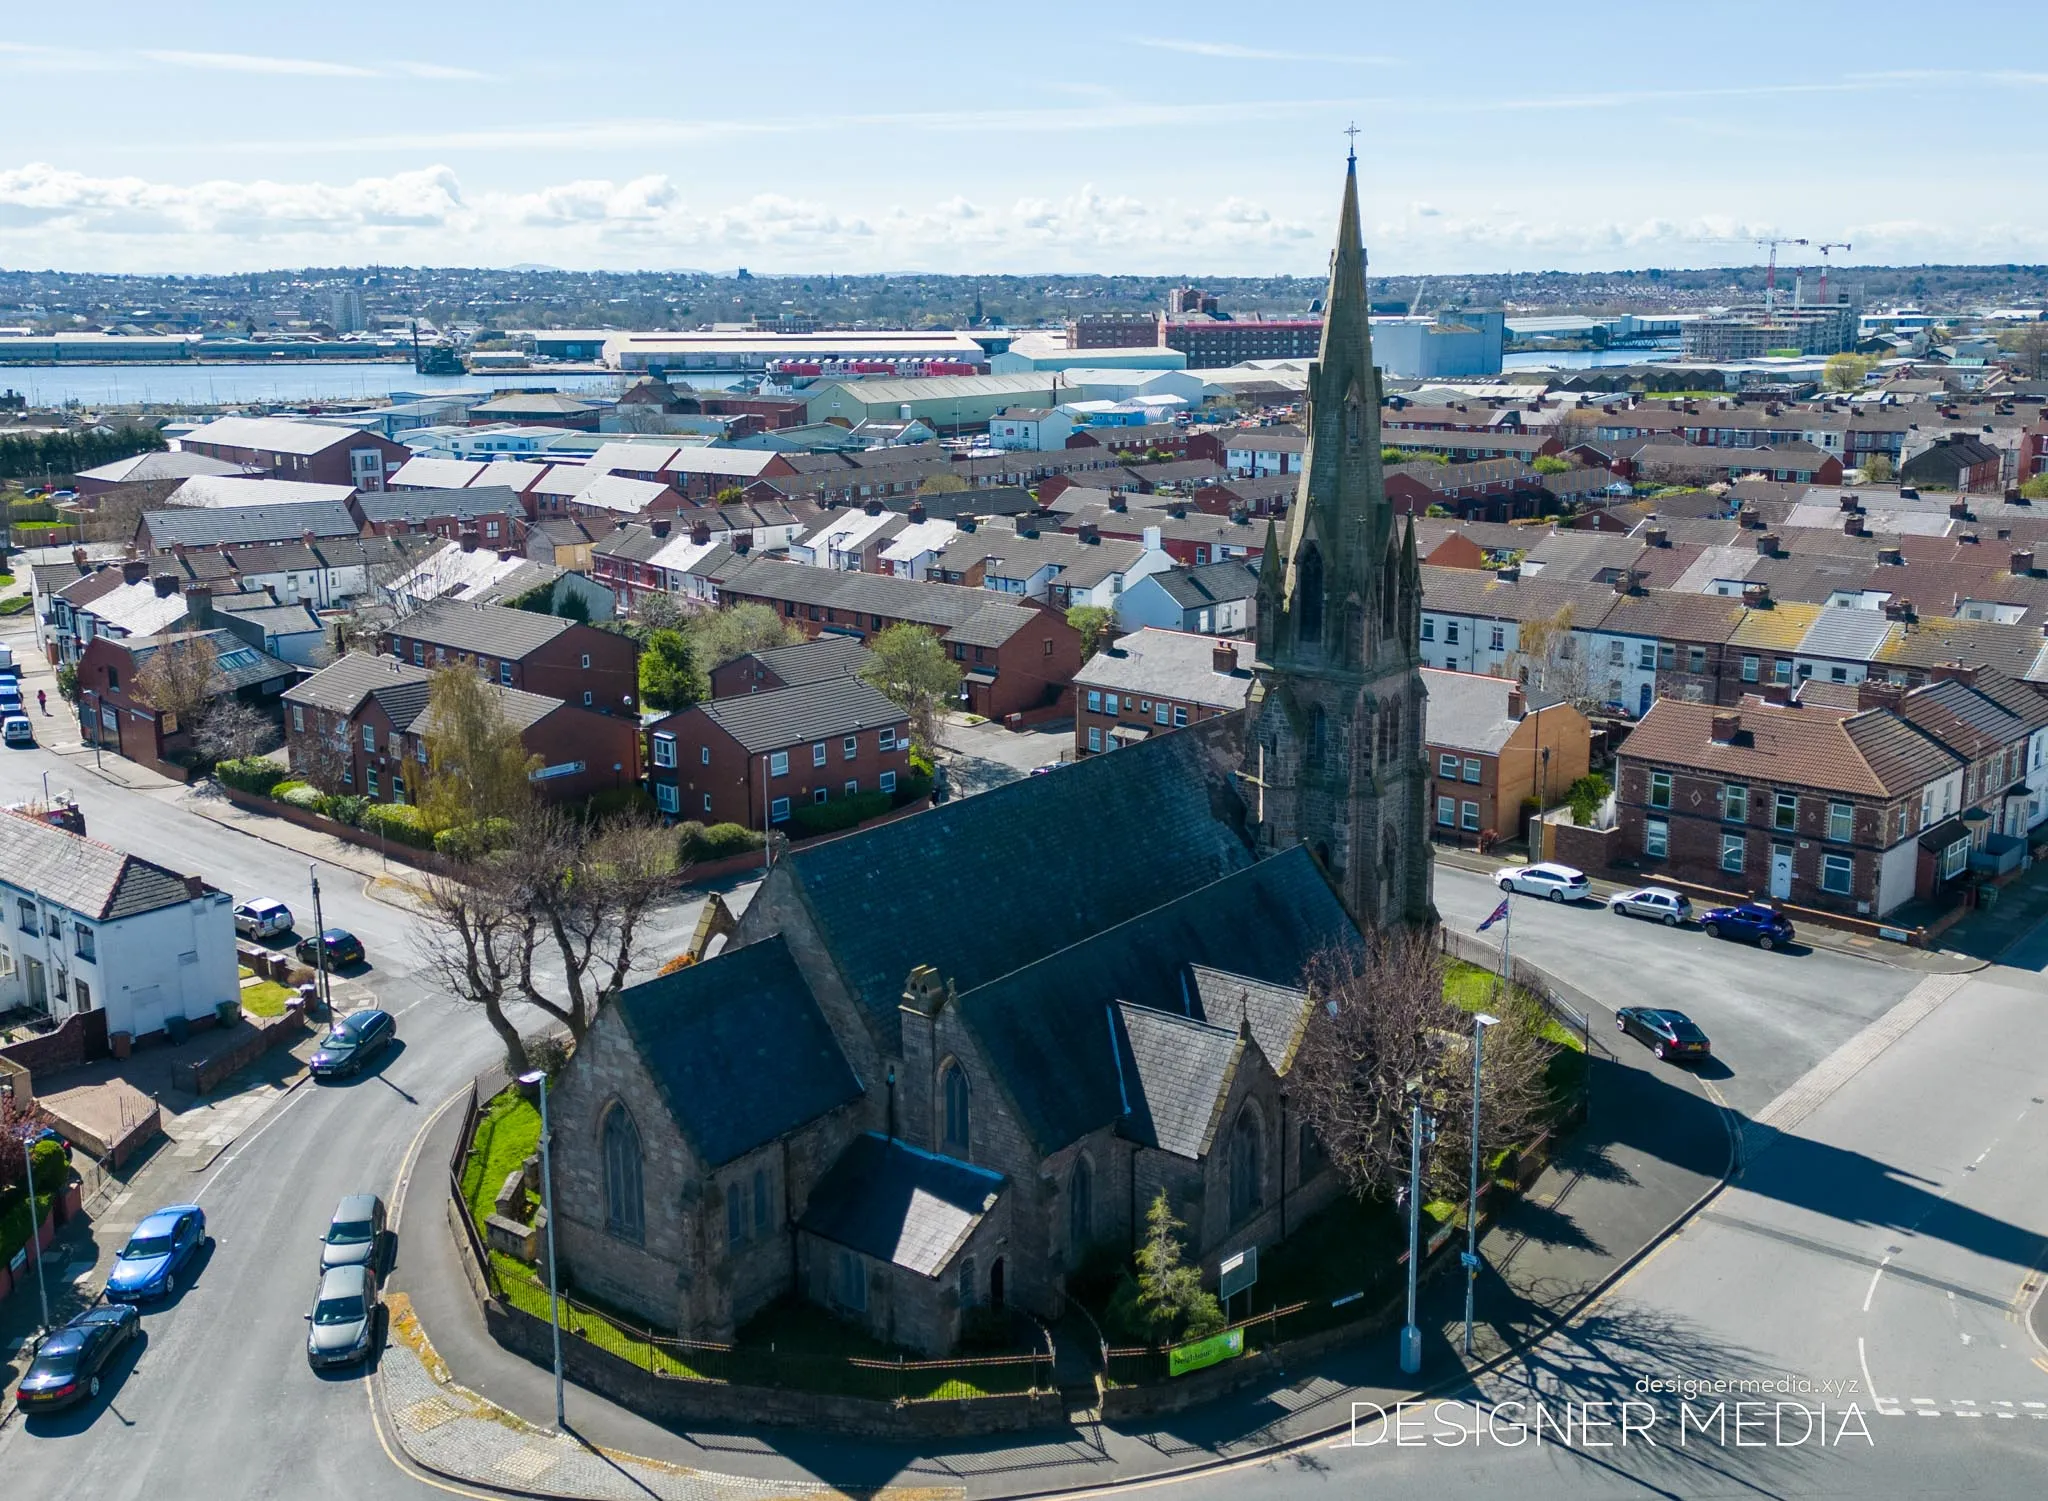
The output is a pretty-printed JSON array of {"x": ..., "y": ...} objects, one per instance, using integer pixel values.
[
  {"x": 471, "y": 840},
  {"x": 721, "y": 840},
  {"x": 921, "y": 763},
  {"x": 909, "y": 789},
  {"x": 347, "y": 808},
  {"x": 615, "y": 800},
  {"x": 400, "y": 822},
  {"x": 249, "y": 774},
  {"x": 14, "y": 604},
  {"x": 301, "y": 795},
  {"x": 1586, "y": 795},
  {"x": 840, "y": 813}
]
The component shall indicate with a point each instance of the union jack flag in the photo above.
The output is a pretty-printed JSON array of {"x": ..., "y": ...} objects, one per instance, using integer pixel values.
[{"x": 1500, "y": 914}]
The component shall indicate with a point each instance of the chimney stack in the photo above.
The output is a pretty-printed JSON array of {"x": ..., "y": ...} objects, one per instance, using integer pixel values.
[
  {"x": 1727, "y": 725},
  {"x": 1767, "y": 545},
  {"x": 2023, "y": 561},
  {"x": 1959, "y": 509},
  {"x": 1088, "y": 532},
  {"x": 1509, "y": 573},
  {"x": 1893, "y": 556},
  {"x": 1898, "y": 609},
  {"x": 1852, "y": 525},
  {"x": 1656, "y": 536},
  {"x": 1876, "y": 693},
  {"x": 467, "y": 537},
  {"x": 700, "y": 533},
  {"x": 1851, "y": 503},
  {"x": 873, "y": 508},
  {"x": 916, "y": 512},
  {"x": 199, "y": 604},
  {"x": 742, "y": 543},
  {"x": 78, "y": 557},
  {"x": 1518, "y": 701},
  {"x": 1750, "y": 518},
  {"x": 1951, "y": 672},
  {"x": 133, "y": 570},
  {"x": 307, "y": 537},
  {"x": 1757, "y": 596},
  {"x": 166, "y": 585},
  {"x": 1223, "y": 658},
  {"x": 1778, "y": 695},
  {"x": 1625, "y": 581},
  {"x": 658, "y": 525}
]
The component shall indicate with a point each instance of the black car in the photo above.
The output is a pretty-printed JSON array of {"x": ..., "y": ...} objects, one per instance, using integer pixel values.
[
  {"x": 352, "y": 1042},
  {"x": 343, "y": 949},
  {"x": 1753, "y": 922},
  {"x": 67, "y": 1367},
  {"x": 1668, "y": 1034}
]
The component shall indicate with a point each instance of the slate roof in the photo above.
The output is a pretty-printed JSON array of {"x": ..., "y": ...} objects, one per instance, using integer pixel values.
[
  {"x": 1467, "y": 710},
  {"x": 891, "y": 1201},
  {"x": 415, "y": 506},
  {"x": 343, "y": 684},
  {"x": 1276, "y": 1013},
  {"x": 976, "y": 617},
  {"x": 1163, "y": 806},
  {"x": 1046, "y": 1027},
  {"x": 162, "y": 465},
  {"x": 787, "y": 716},
  {"x": 1853, "y": 635},
  {"x": 710, "y": 1035},
  {"x": 492, "y": 630},
  {"x": 820, "y": 657},
  {"x": 209, "y": 526},
  {"x": 87, "y": 877},
  {"x": 1171, "y": 664},
  {"x": 1174, "y": 1074},
  {"x": 1209, "y": 584},
  {"x": 237, "y": 663}
]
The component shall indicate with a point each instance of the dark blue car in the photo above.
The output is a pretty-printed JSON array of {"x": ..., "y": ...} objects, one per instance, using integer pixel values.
[
  {"x": 1752, "y": 922},
  {"x": 160, "y": 1248}
]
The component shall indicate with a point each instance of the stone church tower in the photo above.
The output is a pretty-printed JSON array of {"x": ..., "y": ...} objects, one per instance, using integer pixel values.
[{"x": 1333, "y": 753}]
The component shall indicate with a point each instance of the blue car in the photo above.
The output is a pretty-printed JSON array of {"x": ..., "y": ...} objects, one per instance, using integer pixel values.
[
  {"x": 1752, "y": 922},
  {"x": 160, "y": 1248}
]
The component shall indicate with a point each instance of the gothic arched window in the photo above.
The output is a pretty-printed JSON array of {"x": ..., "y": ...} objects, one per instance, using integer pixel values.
[
  {"x": 953, "y": 1087},
  {"x": 1318, "y": 736},
  {"x": 1081, "y": 1208},
  {"x": 623, "y": 1212},
  {"x": 1354, "y": 422},
  {"x": 1308, "y": 595},
  {"x": 1390, "y": 593},
  {"x": 1247, "y": 1166}
]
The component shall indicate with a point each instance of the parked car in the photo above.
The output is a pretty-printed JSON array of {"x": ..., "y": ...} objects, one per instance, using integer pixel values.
[
  {"x": 1752, "y": 922},
  {"x": 1654, "y": 902},
  {"x": 343, "y": 948},
  {"x": 16, "y": 729},
  {"x": 67, "y": 1367},
  {"x": 161, "y": 1247},
  {"x": 344, "y": 1316},
  {"x": 264, "y": 917},
  {"x": 1668, "y": 1034},
  {"x": 1560, "y": 883},
  {"x": 352, "y": 1042},
  {"x": 10, "y": 697},
  {"x": 354, "y": 1234}
]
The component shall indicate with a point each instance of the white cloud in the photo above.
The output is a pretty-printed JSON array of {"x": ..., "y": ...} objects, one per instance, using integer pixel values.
[
  {"x": 245, "y": 62},
  {"x": 1240, "y": 52},
  {"x": 84, "y": 60}
]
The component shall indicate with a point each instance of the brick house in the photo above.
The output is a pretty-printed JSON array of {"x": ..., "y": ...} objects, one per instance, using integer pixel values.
[
  {"x": 493, "y": 514},
  {"x": 1491, "y": 747},
  {"x": 361, "y": 725},
  {"x": 1954, "y": 461},
  {"x": 115, "y": 717},
  {"x": 544, "y": 654},
  {"x": 1156, "y": 680},
  {"x": 1821, "y": 807},
  {"x": 1014, "y": 657},
  {"x": 788, "y": 666},
  {"x": 754, "y": 758},
  {"x": 287, "y": 449}
]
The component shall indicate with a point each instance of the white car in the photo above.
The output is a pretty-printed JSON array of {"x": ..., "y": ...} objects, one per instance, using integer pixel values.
[
  {"x": 16, "y": 729},
  {"x": 265, "y": 917},
  {"x": 1560, "y": 883},
  {"x": 1654, "y": 902}
]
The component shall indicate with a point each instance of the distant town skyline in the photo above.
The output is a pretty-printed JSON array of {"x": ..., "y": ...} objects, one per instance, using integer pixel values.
[{"x": 1071, "y": 139}]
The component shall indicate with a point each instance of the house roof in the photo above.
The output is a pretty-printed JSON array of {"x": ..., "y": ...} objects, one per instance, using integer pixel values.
[
  {"x": 1467, "y": 710},
  {"x": 1800, "y": 746},
  {"x": 1165, "y": 805},
  {"x": 237, "y": 664},
  {"x": 1171, "y": 664},
  {"x": 344, "y": 683},
  {"x": 896, "y": 1203},
  {"x": 711, "y": 1033},
  {"x": 1970, "y": 723},
  {"x": 1175, "y": 1073},
  {"x": 1853, "y": 635},
  {"x": 130, "y": 609},
  {"x": 431, "y": 505},
  {"x": 976, "y": 617},
  {"x": 271, "y": 434},
  {"x": 438, "y": 474},
  {"x": 486, "y": 630},
  {"x": 216, "y": 490},
  {"x": 817, "y": 710},
  {"x": 619, "y": 492},
  {"x": 161, "y": 465},
  {"x": 210, "y": 526},
  {"x": 1209, "y": 584},
  {"x": 92, "y": 879},
  {"x": 820, "y": 657}
]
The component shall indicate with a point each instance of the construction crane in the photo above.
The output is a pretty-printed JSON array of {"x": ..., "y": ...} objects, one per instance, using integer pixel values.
[
  {"x": 1824, "y": 249},
  {"x": 1771, "y": 275}
]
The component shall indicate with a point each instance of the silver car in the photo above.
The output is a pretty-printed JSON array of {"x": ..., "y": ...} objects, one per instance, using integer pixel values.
[
  {"x": 355, "y": 1236},
  {"x": 344, "y": 1317},
  {"x": 1657, "y": 903}
]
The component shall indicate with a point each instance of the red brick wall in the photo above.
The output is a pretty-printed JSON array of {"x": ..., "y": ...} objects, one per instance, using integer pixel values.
[{"x": 733, "y": 780}]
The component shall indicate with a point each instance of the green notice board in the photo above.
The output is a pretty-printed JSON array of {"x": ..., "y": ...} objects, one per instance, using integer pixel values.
[{"x": 1196, "y": 1354}]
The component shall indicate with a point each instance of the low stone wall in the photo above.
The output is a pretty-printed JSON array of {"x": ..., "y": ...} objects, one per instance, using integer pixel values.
[
  {"x": 203, "y": 1075},
  {"x": 670, "y": 1400},
  {"x": 80, "y": 1038},
  {"x": 1588, "y": 849}
]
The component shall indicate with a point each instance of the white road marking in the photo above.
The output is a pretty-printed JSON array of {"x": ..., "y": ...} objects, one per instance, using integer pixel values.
[
  {"x": 274, "y": 1117},
  {"x": 1864, "y": 1361},
  {"x": 1871, "y": 1291}
]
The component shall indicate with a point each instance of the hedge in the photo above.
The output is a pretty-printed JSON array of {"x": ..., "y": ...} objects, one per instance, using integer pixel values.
[
  {"x": 255, "y": 774},
  {"x": 718, "y": 842},
  {"x": 612, "y": 800},
  {"x": 468, "y": 841},
  {"x": 398, "y": 821},
  {"x": 909, "y": 789},
  {"x": 840, "y": 813},
  {"x": 301, "y": 795}
]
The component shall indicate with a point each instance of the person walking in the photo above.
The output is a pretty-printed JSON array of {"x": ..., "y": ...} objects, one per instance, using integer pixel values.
[{"x": 43, "y": 700}]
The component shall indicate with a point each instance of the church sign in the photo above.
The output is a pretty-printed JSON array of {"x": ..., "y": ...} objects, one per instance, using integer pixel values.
[{"x": 1196, "y": 1354}]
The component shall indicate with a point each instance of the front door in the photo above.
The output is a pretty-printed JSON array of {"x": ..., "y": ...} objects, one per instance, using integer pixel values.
[
  {"x": 1643, "y": 702},
  {"x": 38, "y": 987},
  {"x": 1781, "y": 872}
]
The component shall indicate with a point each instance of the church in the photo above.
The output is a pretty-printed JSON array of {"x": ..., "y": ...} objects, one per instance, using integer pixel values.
[{"x": 941, "y": 1063}]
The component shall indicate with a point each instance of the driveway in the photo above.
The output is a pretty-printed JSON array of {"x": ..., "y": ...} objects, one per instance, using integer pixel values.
[{"x": 977, "y": 757}]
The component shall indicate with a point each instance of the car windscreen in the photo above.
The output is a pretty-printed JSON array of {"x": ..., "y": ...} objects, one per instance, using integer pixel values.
[
  {"x": 142, "y": 1247},
  {"x": 338, "y": 1311},
  {"x": 349, "y": 1233},
  {"x": 56, "y": 1363},
  {"x": 338, "y": 1038}
]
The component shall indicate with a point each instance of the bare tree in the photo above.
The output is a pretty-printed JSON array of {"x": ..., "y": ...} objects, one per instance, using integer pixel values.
[
  {"x": 1382, "y": 1021},
  {"x": 232, "y": 729},
  {"x": 117, "y": 515},
  {"x": 178, "y": 680},
  {"x": 1550, "y": 657}
]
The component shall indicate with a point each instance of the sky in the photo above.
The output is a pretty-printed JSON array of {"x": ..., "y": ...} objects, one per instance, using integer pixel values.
[{"x": 1059, "y": 137}]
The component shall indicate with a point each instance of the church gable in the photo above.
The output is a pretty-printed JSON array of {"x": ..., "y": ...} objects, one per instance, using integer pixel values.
[{"x": 1174, "y": 1074}]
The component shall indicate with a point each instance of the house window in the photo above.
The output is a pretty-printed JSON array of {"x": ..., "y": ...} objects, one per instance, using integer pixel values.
[
  {"x": 1660, "y": 789},
  {"x": 1161, "y": 712},
  {"x": 370, "y": 780},
  {"x": 1732, "y": 846},
  {"x": 818, "y": 754},
  {"x": 84, "y": 995},
  {"x": 778, "y": 763},
  {"x": 1468, "y": 816},
  {"x": 82, "y": 941},
  {"x": 1500, "y": 641},
  {"x": 113, "y": 681},
  {"x": 1447, "y": 767},
  {"x": 1955, "y": 858},
  {"x": 1095, "y": 737},
  {"x": 1180, "y": 716},
  {"x": 1781, "y": 670},
  {"x": 849, "y": 747},
  {"x": 1471, "y": 768},
  {"x": 299, "y": 717},
  {"x": 851, "y": 1293},
  {"x": 586, "y": 659},
  {"x": 778, "y": 811},
  {"x": 419, "y": 654},
  {"x": 1450, "y": 633},
  {"x": 888, "y": 781},
  {"x": 1656, "y": 838},
  {"x": 1841, "y": 822},
  {"x": 886, "y": 738},
  {"x": 1447, "y": 811},
  {"x": 1751, "y": 667},
  {"x": 664, "y": 750},
  {"x": 953, "y": 1093},
  {"x": 667, "y": 797},
  {"x": 623, "y": 1203},
  {"x": 505, "y": 673},
  {"x": 1735, "y": 803},
  {"x": 1247, "y": 1166},
  {"x": 1667, "y": 656},
  {"x": 1837, "y": 873},
  {"x": 1695, "y": 659},
  {"x": 852, "y": 788},
  {"x": 1647, "y": 657},
  {"x": 707, "y": 802},
  {"x": 370, "y": 738},
  {"x": 586, "y": 698},
  {"x": 1429, "y": 628},
  {"x": 1785, "y": 811}
]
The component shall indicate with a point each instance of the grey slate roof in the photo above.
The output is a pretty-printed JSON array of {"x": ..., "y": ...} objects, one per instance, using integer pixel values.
[
  {"x": 898, "y": 1204},
  {"x": 412, "y": 506},
  {"x": 1467, "y": 711},
  {"x": 1276, "y": 1013},
  {"x": 1161, "y": 807},
  {"x": 713, "y": 1034},
  {"x": 1851, "y": 634},
  {"x": 1209, "y": 584},
  {"x": 820, "y": 657},
  {"x": 1175, "y": 1073},
  {"x": 977, "y": 617},
  {"x": 491, "y": 630},
  {"x": 804, "y": 711},
  {"x": 237, "y": 663},
  {"x": 1171, "y": 664},
  {"x": 209, "y": 526},
  {"x": 345, "y": 683},
  {"x": 83, "y": 875}
]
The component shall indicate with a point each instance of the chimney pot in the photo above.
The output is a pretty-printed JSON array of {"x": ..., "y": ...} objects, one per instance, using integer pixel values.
[
  {"x": 1851, "y": 503},
  {"x": 1876, "y": 693},
  {"x": 133, "y": 570},
  {"x": 1767, "y": 545},
  {"x": 1223, "y": 658},
  {"x": 1727, "y": 726},
  {"x": 658, "y": 525},
  {"x": 916, "y": 511},
  {"x": 1951, "y": 672},
  {"x": 1777, "y": 694}
]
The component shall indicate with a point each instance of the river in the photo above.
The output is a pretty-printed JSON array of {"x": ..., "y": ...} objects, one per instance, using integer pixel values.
[
  {"x": 284, "y": 381},
  {"x": 1587, "y": 359}
]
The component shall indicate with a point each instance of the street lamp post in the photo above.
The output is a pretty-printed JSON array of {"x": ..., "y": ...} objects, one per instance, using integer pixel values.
[
  {"x": 1411, "y": 1332},
  {"x": 539, "y": 1078},
  {"x": 89, "y": 693},
  {"x": 320, "y": 944},
  {"x": 28, "y": 1161},
  {"x": 1480, "y": 1022}
]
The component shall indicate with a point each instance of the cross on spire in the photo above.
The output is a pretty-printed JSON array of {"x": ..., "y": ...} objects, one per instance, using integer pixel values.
[{"x": 1352, "y": 132}]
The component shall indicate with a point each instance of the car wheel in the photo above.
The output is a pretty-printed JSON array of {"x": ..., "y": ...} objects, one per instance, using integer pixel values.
[
  {"x": 1557, "y": 896},
  {"x": 1670, "y": 921},
  {"x": 1712, "y": 930},
  {"x": 1662, "y": 1052},
  {"x": 1616, "y": 909},
  {"x": 92, "y": 1387},
  {"x": 1620, "y": 1025},
  {"x": 1506, "y": 884},
  {"x": 1763, "y": 940}
]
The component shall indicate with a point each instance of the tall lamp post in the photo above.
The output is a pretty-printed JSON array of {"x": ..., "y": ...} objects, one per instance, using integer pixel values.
[
  {"x": 1411, "y": 1332},
  {"x": 539, "y": 1078},
  {"x": 28, "y": 1161},
  {"x": 1480, "y": 1022},
  {"x": 320, "y": 945}
]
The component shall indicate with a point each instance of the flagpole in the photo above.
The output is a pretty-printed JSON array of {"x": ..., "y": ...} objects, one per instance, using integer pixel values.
[{"x": 1507, "y": 940}]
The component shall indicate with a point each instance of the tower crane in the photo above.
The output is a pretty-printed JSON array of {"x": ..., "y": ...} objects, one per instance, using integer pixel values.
[
  {"x": 1824, "y": 249},
  {"x": 1771, "y": 275}
]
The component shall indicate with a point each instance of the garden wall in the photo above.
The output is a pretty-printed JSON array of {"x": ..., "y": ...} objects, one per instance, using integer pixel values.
[{"x": 81, "y": 1038}]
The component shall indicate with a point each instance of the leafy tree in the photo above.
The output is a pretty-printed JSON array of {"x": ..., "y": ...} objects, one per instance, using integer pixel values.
[
  {"x": 1846, "y": 372},
  {"x": 911, "y": 668},
  {"x": 67, "y": 682},
  {"x": 1548, "y": 463},
  {"x": 478, "y": 768},
  {"x": 59, "y": 455},
  {"x": 1878, "y": 470},
  {"x": 658, "y": 610},
  {"x": 1092, "y": 621},
  {"x": 2036, "y": 488},
  {"x": 940, "y": 484},
  {"x": 178, "y": 679},
  {"x": 669, "y": 676},
  {"x": 722, "y": 635},
  {"x": 731, "y": 495},
  {"x": 1171, "y": 1298},
  {"x": 1585, "y": 797}
]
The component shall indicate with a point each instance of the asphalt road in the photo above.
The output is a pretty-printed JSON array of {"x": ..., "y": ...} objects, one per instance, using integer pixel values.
[{"x": 220, "y": 1402}]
